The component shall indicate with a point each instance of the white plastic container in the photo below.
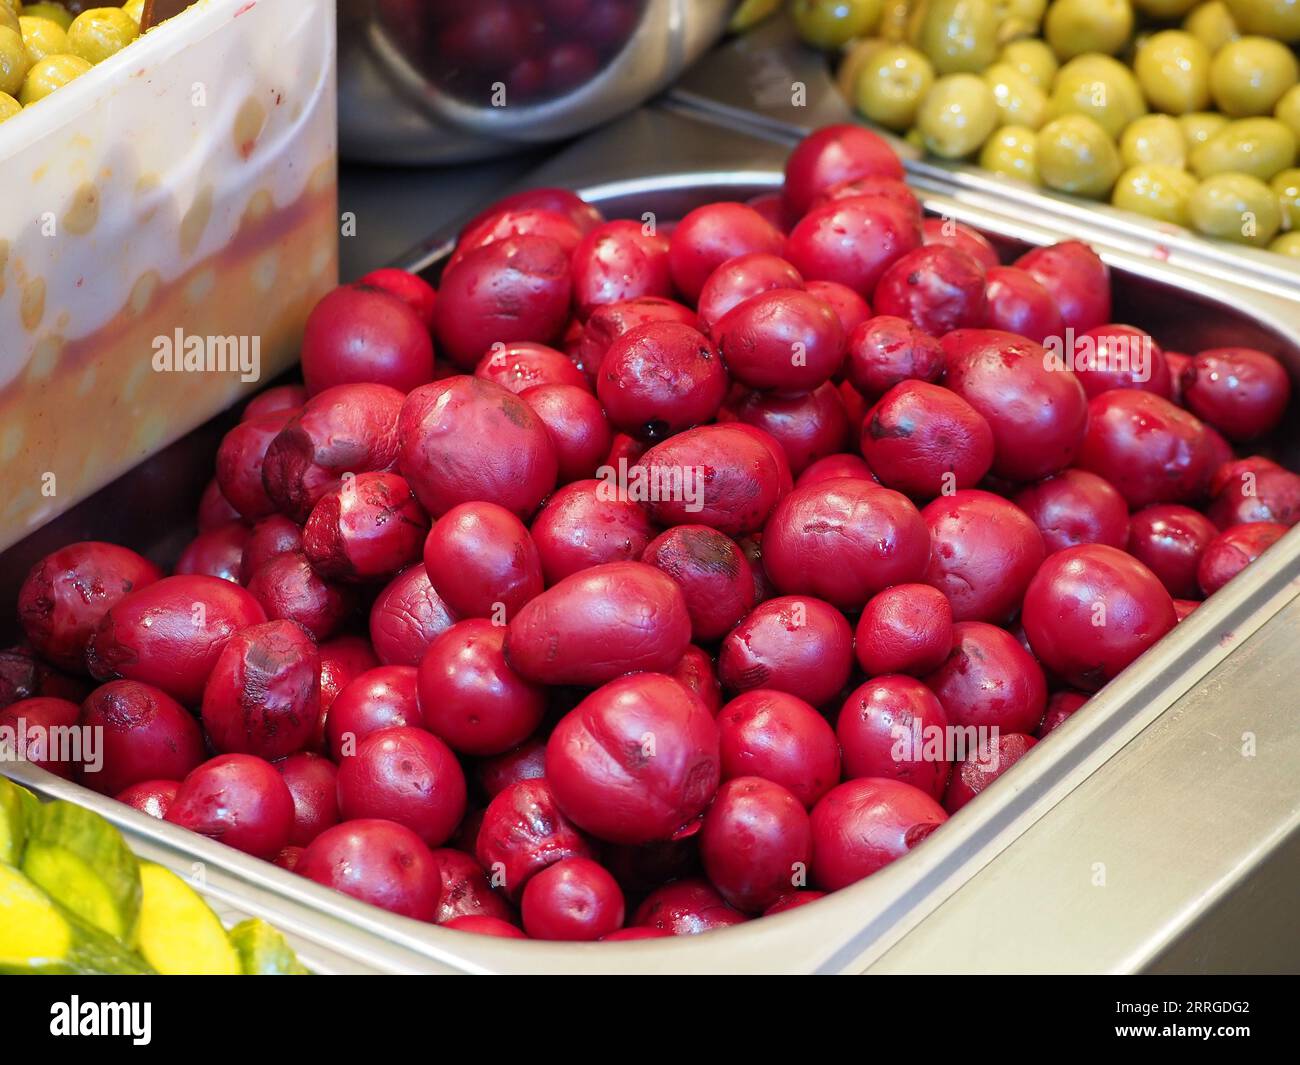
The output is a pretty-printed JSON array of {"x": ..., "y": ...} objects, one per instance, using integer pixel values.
[{"x": 179, "y": 198}]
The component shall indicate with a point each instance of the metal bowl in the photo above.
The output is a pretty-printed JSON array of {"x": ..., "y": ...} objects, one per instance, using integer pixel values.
[{"x": 409, "y": 92}]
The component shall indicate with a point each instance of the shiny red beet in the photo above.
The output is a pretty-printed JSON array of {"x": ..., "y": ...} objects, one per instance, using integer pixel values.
[
  {"x": 708, "y": 236},
  {"x": 844, "y": 541},
  {"x": 713, "y": 573},
  {"x": 1038, "y": 413},
  {"x": 781, "y": 738},
  {"x": 363, "y": 333},
  {"x": 862, "y": 825},
  {"x": 808, "y": 426},
  {"x": 1076, "y": 507},
  {"x": 924, "y": 441},
  {"x": 831, "y": 155},
  {"x": 1077, "y": 280},
  {"x": 239, "y": 800},
  {"x": 383, "y": 697},
  {"x": 410, "y": 288},
  {"x": 635, "y": 761},
  {"x": 68, "y": 592},
  {"x": 1169, "y": 539},
  {"x": 217, "y": 552},
  {"x": 482, "y": 561},
  {"x": 659, "y": 379},
  {"x": 170, "y": 633},
  {"x": 981, "y": 768},
  {"x": 598, "y": 624},
  {"x": 1091, "y": 610},
  {"x": 1150, "y": 450},
  {"x": 794, "y": 644},
  {"x": 144, "y": 733},
  {"x": 984, "y": 552},
  {"x": 408, "y": 776},
  {"x": 989, "y": 680},
  {"x": 578, "y": 427},
  {"x": 151, "y": 797},
  {"x": 1242, "y": 392},
  {"x": 895, "y": 727},
  {"x": 756, "y": 843},
  {"x": 32, "y": 727},
  {"x": 263, "y": 696},
  {"x": 904, "y": 629},
  {"x": 575, "y": 899},
  {"x": 523, "y": 832},
  {"x": 741, "y": 278},
  {"x": 469, "y": 695},
  {"x": 467, "y": 440},
  {"x": 405, "y": 618},
  {"x": 378, "y": 862},
  {"x": 884, "y": 351},
  {"x": 1233, "y": 550},
  {"x": 348, "y": 429},
  {"x": 584, "y": 525},
  {"x": 313, "y": 782},
  {"x": 936, "y": 287},
  {"x": 686, "y": 908}
]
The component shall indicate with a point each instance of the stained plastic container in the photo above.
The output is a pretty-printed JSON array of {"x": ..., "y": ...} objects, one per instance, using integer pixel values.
[{"x": 179, "y": 199}]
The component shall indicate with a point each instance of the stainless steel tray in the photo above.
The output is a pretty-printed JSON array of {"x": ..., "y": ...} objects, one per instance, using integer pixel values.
[
  {"x": 1083, "y": 778},
  {"x": 751, "y": 82}
]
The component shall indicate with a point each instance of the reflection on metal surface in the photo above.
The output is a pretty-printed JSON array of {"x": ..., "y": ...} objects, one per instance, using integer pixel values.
[{"x": 396, "y": 104}]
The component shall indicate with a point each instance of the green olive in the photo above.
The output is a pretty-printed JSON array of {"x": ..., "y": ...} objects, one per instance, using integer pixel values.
[
  {"x": 832, "y": 23},
  {"x": 1153, "y": 139},
  {"x": 1287, "y": 187},
  {"x": 1260, "y": 147},
  {"x": 1173, "y": 69},
  {"x": 1020, "y": 102},
  {"x": 1288, "y": 110},
  {"x": 52, "y": 72},
  {"x": 1287, "y": 244},
  {"x": 958, "y": 36},
  {"x": 1200, "y": 126},
  {"x": 14, "y": 61},
  {"x": 1100, "y": 87},
  {"x": 8, "y": 106},
  {"x": 1279, "y": 19},
  {"x": 1018, "y": 18},
  {"x": 1034, "y": 59},
  {"x": 1249, "y": 76},
  {"x": 957, "y": 116},
  {"x": 101, "y": 32},
  {"x": 854, "y": 62},
  {"x": 1211, "y": 23},
  {"x": 1156, "y": 191},
  {"x": 1076, "y": 155},
  {"x": 1075, "y": 27},
  {"x": 54, "y": 12},
  {"x": 1012, "y": 151},
  {"x": 1164, "y": 9},
  {"x": 892, "y": 85},
  {"x": 42, "y": 37},
  {"x": 135, "y": 8},
  {"x": 1236, "y": 207}
]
